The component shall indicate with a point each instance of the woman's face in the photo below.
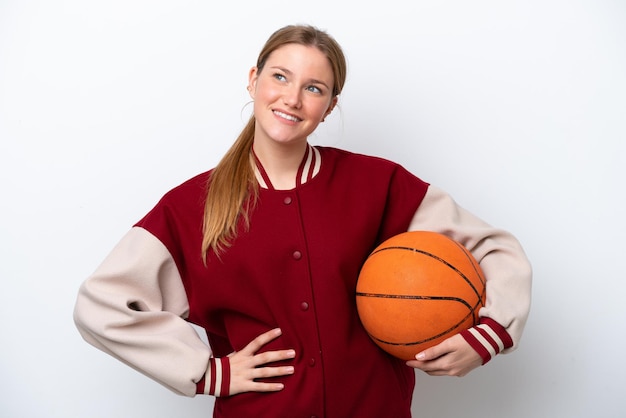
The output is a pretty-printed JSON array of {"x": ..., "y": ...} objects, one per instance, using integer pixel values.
[{"x": 292, "y": 94}]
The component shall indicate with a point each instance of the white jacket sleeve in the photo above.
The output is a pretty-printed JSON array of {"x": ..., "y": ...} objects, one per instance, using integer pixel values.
[
  {"x": 134, "y": 306},
  {"x": 500, "y": 255}
]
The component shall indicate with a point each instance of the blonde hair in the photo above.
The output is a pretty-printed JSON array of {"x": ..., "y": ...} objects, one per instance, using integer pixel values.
[{"x": 232, "y": 188}]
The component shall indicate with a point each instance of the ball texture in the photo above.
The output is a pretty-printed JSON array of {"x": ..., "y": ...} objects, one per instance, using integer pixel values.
[{"x": 416, "y": 289}]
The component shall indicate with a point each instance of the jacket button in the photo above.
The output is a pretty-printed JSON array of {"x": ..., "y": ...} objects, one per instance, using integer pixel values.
[
  {"x": 297, "y": 255},
  {"x": 304, "y": 306},
  {"x": 312, "y": 362},
  {"x": 287, "y": 200}
]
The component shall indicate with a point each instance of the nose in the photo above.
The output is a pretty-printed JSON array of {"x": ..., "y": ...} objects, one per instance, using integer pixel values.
[{"x": 291, "y": 97}]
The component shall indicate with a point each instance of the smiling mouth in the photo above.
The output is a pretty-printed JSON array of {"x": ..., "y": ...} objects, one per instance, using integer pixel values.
[{"x": 286, "y": 116}]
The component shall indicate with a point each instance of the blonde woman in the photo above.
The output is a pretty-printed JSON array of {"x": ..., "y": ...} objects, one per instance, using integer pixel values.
[{"x": 263, "y": 252}]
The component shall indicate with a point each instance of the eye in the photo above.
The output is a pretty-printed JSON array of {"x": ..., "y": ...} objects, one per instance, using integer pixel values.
[
  {"x": 314, "y": 89},
  {"x": 279, "y": 76}
]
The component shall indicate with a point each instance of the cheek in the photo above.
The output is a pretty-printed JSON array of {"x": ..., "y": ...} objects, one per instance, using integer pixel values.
[
  {"x": 265, "y": 92},
  {"x": 321, "y": 110}
]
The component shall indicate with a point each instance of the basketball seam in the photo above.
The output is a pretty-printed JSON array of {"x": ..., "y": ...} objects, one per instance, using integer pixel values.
[
  {"x": 441, "y": 260},
  {"x": 433, "y": 337},
  {"x": 417, "y": 297},
  {"x": 471, "y": 259}
]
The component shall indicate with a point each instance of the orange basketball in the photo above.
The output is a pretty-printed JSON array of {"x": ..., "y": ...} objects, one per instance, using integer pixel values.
[{"x": 417, "y": 289}]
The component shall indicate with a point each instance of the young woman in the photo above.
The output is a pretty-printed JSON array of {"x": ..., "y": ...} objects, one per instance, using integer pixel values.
[{"x": 264, "y": 251}]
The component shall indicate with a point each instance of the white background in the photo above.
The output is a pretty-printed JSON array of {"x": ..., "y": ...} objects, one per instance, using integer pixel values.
[{"x": 517, "y": 108}]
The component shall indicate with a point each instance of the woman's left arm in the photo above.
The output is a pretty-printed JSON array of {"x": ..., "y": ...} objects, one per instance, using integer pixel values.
[{"x": 508, "y": 274}]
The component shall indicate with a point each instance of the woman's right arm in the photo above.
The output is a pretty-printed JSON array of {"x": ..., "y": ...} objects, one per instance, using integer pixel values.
[{"x": 134, "y": 306}]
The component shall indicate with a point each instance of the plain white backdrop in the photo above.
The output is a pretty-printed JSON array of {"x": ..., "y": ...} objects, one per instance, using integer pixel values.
[{"x": 517, "y": 108}]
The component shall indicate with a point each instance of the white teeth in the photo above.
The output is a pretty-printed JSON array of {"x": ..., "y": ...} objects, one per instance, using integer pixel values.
[{"x": 286, "y": 116}]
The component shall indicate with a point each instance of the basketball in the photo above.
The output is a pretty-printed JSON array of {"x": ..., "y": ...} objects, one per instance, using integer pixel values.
[{"x": 416, "y": 289}]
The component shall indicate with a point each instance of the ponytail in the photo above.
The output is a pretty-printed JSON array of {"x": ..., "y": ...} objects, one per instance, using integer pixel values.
[{"x": 232, "y": 193}]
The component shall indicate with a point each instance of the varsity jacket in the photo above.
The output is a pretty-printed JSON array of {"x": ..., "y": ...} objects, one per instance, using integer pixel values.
[{"x": 295, "y": 268}]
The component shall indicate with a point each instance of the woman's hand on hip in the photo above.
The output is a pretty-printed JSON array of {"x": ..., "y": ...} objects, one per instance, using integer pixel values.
[{"x": 246, "y": 366}]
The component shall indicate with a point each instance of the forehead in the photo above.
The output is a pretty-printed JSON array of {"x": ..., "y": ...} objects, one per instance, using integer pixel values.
[{"x": 301, "y": 59}]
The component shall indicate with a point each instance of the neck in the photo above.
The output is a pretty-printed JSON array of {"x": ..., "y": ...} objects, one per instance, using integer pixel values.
[{"x": 281, "y": 163}]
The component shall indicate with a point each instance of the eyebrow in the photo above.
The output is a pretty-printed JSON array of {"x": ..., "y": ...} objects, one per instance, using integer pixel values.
[{"x": 288, "y": 72}]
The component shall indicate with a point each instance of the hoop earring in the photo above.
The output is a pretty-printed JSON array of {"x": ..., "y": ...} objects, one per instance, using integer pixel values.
[{"x": 243, "y": 108}]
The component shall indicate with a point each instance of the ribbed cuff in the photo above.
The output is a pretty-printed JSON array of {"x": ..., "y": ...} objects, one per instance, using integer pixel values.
[
  {"x": 218, "y": 382},
  {"x": 488, "y": 338}
]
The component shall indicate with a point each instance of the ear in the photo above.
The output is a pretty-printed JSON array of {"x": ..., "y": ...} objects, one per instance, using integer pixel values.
[
  {"x": 332, "y": 105},
  {"x": 253, "y": 75}
]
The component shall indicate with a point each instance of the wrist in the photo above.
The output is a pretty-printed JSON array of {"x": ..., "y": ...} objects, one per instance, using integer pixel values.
[
  {"x": 216, "y": 381},
  {"x": 488, "y": 338}
]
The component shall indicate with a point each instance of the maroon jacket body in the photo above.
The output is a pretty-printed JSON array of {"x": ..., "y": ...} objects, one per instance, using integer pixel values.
[{"x": 296, "y": 268}]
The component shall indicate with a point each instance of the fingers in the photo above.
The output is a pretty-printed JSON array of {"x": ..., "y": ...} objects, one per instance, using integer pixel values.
[
  {"x": 247, "y": 367},
  {"x": 250, "y": 351},
  {"x": 431, "y": 353},
  {"x": 273, "y": 356},
  {"x": 428, "y": 367},
  {"x": 268, "y": 372},
  {"x": 252, "y": 385},
  {"x": 256, "y": 344},
  {"x": 452, "y": 357},
  {"x": 425, "y": 359}
]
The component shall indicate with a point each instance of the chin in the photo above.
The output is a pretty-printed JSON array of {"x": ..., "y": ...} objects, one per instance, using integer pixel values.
[{"x": 287, "y": 140}]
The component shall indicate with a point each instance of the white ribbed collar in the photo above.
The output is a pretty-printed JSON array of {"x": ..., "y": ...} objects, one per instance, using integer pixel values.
[{"x": 309, "y": 168}]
